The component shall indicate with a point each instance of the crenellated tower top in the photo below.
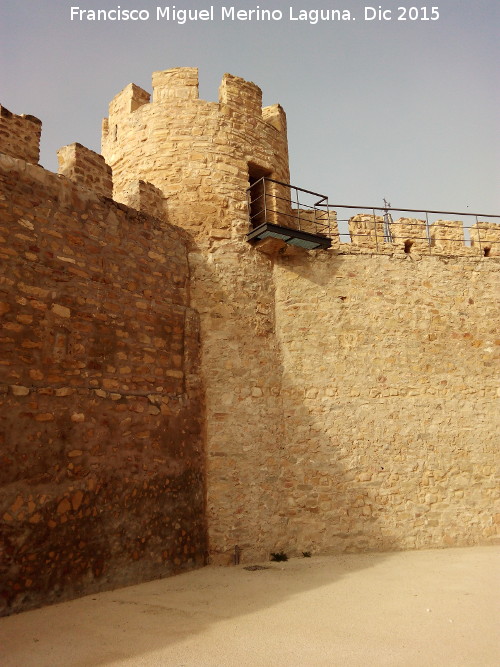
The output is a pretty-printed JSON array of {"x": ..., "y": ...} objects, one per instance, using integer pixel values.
[{"x": 200, "y": 155}]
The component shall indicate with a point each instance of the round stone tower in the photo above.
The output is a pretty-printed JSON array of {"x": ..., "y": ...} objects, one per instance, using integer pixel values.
[
  {"x": 200, "y": 155},
  {"x": 191, "y": 162}
]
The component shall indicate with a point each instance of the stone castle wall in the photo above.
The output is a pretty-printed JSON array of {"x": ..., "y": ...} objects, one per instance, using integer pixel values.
[
  {"x": 389, "y": 385},
  {"x": 200, "y": 154},
  {"x": 101, "y": 419},
  {"x": 169, "y": 393},
  {"x": 413, "y": 236}
]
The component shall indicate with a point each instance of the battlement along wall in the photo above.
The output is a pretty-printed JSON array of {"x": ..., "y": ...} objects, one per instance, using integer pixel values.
[
  {"x": 416, "y": 236},
  {"x": 86, "y": 169}
]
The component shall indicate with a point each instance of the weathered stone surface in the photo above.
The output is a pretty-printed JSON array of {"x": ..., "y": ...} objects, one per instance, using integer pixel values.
[
  {"x": 18, "y": 390},
  {"x": 485, "y": 237},
  {"x": 88, "y": 500},
  {"x": 447, "y": 236},
  {"x": 167, "y": 392},
  {"x": 199, "y": 155},
  {"x": 410, "y": 235},
  {"x": 367, "y": 230},
  {"x": 86, "y": 169},
  {"x": 20, "y": 135},
  {"x": 388, "y": 388}
]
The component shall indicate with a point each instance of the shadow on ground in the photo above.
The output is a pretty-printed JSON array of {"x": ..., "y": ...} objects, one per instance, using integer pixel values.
[
  {"x": 128, "y": 623},
  {"x": 435, "y": 607}
]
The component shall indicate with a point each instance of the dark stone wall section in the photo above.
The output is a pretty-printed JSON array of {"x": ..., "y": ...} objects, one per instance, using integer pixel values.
[{"x": 101, "y": 408}]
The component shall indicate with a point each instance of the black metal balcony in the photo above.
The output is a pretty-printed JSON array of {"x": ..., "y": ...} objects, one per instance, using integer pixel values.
[{"x": 289, "y": 214}]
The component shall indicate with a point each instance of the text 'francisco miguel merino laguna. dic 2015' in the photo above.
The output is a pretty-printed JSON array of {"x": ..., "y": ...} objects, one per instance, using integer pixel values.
[{"x": 182, "y": 16}]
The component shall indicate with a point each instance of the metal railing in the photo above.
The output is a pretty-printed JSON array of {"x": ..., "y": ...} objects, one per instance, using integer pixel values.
[
  {"x": 288, "y": 206},
  {"x": 432, "y": 229},
  {"x": 271, "y": 201}
]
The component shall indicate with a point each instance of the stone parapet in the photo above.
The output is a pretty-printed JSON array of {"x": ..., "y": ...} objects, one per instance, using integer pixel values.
[
  {"x": 275, "y": 116},
  {"x": 366, "y": 230},
  {"x": 180, "y": 83},
  {"x": 242, "y": 96},
  {"x": 20, "y": 135},
  {"x": 447, "y": 236},
  {"x": 485, "y": 238},
  {"x": 370, "y": 234},
  {"x": 128, "y": 100},
  {"x": 409, "y": 234},
  {"x": 146, "y": 198},
  {"x": 85, "y": 168}
]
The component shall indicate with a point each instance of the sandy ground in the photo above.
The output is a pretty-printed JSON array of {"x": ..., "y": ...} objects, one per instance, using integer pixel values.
[{"x": 414, "y": 608}]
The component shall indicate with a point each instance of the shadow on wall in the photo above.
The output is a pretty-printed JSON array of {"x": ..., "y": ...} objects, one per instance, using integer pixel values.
[
  {"x": 232, "y": 289},
  {"x": 379, "y": 452},
  {"x": 280, "y": 475},
  {"x": 330, "y": 491},
  {"x": 101, "y": 408},
  {"x": 326, "y": 468}
]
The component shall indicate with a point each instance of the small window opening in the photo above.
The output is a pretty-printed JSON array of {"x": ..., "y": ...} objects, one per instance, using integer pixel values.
[
  {"x": 257, "y": 194},
  {"x": 486, "y": 252},
  {"x": 408, "y": 245}
]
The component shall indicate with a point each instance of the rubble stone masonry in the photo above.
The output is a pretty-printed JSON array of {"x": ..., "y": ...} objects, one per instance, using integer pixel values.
[
  {"x": 200, "y": 155},
  {"x": 389, "y": 386},
  {"x": 101, "y": 475},
  {"x": 85, "y": 168},
  {"x": 20, "y": 135},
  {"x": 171, "y": 396}
]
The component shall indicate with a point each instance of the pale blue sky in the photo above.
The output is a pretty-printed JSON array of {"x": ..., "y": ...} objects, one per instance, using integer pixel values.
[{"x": 406, "y": 110}]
